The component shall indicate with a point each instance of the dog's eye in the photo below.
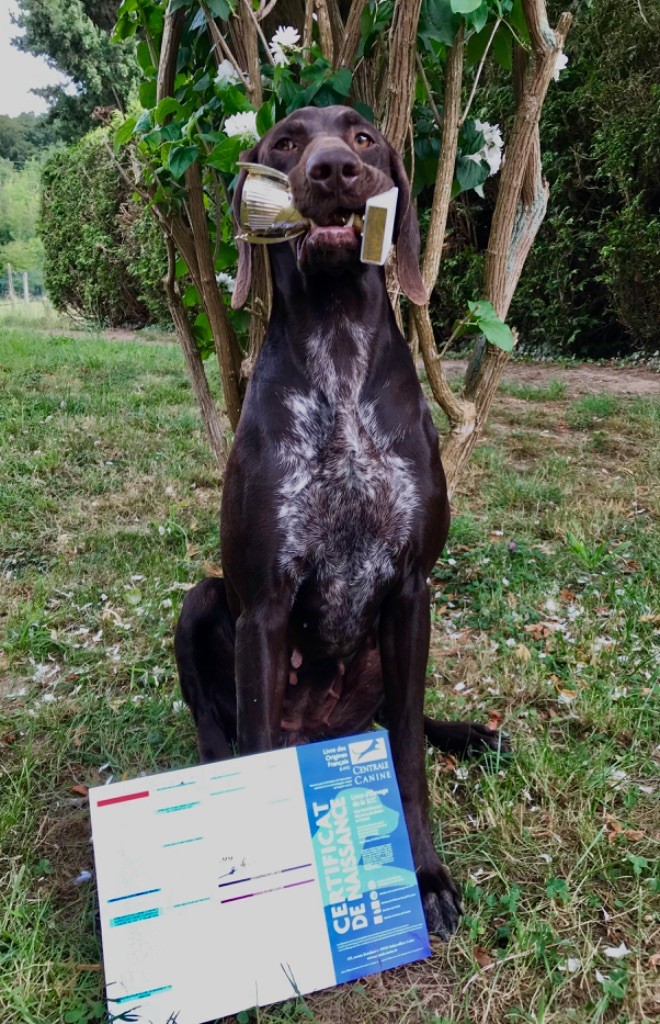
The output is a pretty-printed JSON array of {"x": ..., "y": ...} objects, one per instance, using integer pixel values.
[
  {"x": 285, "y": 145},
  {"x": 363, "y": 140}
]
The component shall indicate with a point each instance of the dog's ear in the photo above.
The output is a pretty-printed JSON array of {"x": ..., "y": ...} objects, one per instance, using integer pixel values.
[
  {"x": 244, "y": 273},
  {"x": 406, "y": 235}
]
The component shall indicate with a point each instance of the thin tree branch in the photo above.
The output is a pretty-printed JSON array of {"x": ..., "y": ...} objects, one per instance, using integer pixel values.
[
  {"x": 220, "y": 44},
  {"x": 195, "y": 363},
  {"x": 446, "y": 164},
  {"x": 480, "y": 68},
  {"x": 437, "y": 116},
  {"x": 169, "y": 51},
  {"x": 265, "y": 9},
  {"x": 223, "y": 334}
]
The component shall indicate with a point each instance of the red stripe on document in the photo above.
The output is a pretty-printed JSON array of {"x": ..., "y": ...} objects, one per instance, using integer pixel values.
[{"x": 123, "y": 799}]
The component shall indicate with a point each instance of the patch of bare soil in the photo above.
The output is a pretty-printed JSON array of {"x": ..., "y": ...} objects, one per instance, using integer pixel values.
[{"x": 579, "y": 379}]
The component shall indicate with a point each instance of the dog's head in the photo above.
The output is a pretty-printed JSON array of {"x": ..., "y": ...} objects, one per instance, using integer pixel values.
[{"x": 335, "y": 161}]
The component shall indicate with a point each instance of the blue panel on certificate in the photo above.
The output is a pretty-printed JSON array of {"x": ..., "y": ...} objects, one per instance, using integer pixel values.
[{"x": 366, "y": 874}]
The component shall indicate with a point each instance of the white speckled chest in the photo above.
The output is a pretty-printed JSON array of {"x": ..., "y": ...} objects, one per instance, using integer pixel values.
[{"x": 346, "y": 500}]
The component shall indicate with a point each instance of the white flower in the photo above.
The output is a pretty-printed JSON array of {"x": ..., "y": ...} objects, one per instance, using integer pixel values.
[
  {"x": 227, "y": 73},
  {"x": 560, "y": 64},
  {"x": 491, "y": 151},
  {"x": 243, "y": 124},
  {"x": 227, "y": 280},
  {"x": 284, "y": 42}
]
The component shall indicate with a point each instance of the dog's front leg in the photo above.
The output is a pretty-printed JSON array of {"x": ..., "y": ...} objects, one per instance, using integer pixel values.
[
  {"x": 404, "y": 634},
  {"x": 261, "y": 673}
]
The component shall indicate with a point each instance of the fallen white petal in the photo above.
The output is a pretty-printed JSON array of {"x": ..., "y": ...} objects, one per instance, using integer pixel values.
[{"x": 616, "y": 952}]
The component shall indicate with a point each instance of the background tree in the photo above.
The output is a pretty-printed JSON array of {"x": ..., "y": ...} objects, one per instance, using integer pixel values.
[
  {"x": 74, "y": 35},
  {"x": 23, "y": 137},
  {"x": 213, "y": 82}
]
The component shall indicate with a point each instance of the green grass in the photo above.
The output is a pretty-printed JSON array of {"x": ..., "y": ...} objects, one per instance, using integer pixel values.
[
  {"x": 545, "y": 619},
  {"x": 35, "y": 314}
]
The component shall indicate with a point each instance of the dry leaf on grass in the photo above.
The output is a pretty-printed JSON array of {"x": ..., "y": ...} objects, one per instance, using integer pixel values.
[
  {"x": 79, "y": 790},
  {"x": 615, "y": 829},
  {"x": 522, "y": 653},
  {"x": 495, "y": 719},
  {"x": 539, "y": 630},
  {"x": 483, "y": 957}
]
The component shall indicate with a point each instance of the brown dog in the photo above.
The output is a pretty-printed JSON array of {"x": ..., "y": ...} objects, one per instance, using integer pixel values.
[{"x": 334, "y": 508}]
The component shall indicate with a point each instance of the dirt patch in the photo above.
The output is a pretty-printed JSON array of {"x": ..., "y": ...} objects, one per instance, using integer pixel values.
[{"x": 580, "y": 379}]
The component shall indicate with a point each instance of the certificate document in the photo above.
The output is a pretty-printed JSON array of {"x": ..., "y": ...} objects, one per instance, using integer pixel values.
[{"x": 245, "y": 882}]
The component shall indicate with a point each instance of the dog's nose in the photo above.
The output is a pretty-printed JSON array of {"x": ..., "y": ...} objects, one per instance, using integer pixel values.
[{"x": 331, "y": 168}]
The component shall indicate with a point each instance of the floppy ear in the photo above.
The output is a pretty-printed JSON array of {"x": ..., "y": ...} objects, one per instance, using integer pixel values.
[
  {"x": 406, "y": 236},
  {"x": 244, "y": 274}
]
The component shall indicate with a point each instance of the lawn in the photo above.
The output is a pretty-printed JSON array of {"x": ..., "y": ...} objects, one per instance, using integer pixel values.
[{"x": 546, "y": 620}]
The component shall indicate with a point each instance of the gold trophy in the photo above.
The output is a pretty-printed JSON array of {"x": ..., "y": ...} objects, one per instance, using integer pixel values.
[{"x": 268, "y": 214}]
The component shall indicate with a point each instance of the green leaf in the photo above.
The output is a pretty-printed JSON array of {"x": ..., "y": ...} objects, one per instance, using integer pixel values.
[
  {"x": 470, "y": 139},
  {"x": 477, "y": 43},
  {"x": 124, "y": 132},
  {"x": 556, "y": 887},
  {"x": 144, "y": 56},
  {"x": 497, "y": 333},
  {"x": 470, "y": 174},
  {"x": 220, "y": 8},
  {"x": 176, "y": 5},
  {"x": 203, "y": 335},
  {"x": 265, "y": 117},
  {"x": 516, "y": 17},
  {"x": 143, "y": 123},
  {"x": 365, "y": 110},
  {"x": 226, "y": 256},
  {"x": 464, "y": 6},
  {"x": 503, "y": 48},
  {"x": 147, "y": 94},
  {"x": 180, "y": 158},
  {"x": 478, "y": 18},
  {"x": 341, "y": 81},
  {"x": 437, "y": 23},
  {"x": 225, "y": 155},
  {"x": 168, "y": 105}
]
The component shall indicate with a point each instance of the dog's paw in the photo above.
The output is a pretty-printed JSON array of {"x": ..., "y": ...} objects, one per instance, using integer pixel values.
[
  {"x": 480, "y": 739},
  {"x": 441, "y": 901},
  {"x": 463, "y": 739}
]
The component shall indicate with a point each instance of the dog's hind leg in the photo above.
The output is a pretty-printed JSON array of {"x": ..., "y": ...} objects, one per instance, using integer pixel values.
[
  {"x": 465, "y": 738},
  {"x": 204, "y": 647}
]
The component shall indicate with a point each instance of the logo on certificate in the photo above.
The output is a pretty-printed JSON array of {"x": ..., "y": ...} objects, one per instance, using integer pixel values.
[{"x": 363, "y": 751}]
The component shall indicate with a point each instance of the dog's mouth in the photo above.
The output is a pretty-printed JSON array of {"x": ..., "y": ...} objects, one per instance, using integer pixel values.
[{"x": 336, "y": 239}]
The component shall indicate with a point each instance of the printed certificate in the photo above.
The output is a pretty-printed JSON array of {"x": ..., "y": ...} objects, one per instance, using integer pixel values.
[{"x": 249, "y": 881}]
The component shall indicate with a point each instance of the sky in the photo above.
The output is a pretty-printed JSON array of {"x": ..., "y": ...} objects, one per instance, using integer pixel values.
[{"x": 20, "y": 72}]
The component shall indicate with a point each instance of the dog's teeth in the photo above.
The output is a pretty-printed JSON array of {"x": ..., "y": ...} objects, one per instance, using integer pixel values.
[{"x": 349, "y": 222}]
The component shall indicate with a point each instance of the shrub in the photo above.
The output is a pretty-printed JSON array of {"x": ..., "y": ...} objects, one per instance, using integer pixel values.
[{"x": 103, "y": 258}]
